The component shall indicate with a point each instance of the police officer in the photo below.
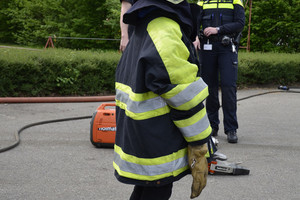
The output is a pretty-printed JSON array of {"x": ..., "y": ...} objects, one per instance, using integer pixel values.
[
  {"x": 222, "y": 21},
  {"x": 163, "y": 131}
]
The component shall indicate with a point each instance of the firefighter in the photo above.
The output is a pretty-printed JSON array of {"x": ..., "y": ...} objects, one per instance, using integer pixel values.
[
  {"x": 222, "y": 21},
  {"x": 163, "y": 132}
]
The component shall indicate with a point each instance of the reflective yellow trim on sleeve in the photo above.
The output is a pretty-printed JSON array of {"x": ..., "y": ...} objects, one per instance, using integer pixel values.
[
  {"x": 172, "y": 50},
  {"x": 200, "y": 3},
  {"x": 200, "y": 136},
  {"x": 192, "y": 120},
  {"x": 176, "y": 90},
  {"x": 238, "y": 2},
  {"x": 195, "y": 101},
  {"x": 187, "y": 96}
]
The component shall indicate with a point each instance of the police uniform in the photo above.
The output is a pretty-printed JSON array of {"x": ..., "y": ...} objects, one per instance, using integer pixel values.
[
  {"x": 159, "y": 96},
  {"x": 220, "y": 60}
]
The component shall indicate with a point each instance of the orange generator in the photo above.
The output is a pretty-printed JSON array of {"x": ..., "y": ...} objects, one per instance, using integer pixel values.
[{"x": 103, "y": 126}]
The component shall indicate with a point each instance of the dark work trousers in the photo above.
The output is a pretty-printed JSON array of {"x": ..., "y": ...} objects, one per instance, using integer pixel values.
[
  {"x": 152, "y": 193},
  {"x": 219, "y": 68}
]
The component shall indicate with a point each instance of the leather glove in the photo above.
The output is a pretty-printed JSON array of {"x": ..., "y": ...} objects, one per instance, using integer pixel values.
[{"x": 199, "y": 168}]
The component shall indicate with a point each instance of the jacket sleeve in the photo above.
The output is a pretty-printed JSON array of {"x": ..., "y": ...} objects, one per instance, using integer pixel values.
[
  {"x": 238, "y": 21},
  {"x": 176, "y": 80}
]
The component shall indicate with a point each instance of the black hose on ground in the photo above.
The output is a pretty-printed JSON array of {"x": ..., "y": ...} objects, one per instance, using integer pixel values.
[{"x": 17, "y": 135}]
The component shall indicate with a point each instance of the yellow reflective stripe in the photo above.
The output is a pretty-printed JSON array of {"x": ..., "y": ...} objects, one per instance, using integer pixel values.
[
  {"x": 150, "y": 161},
  {"x": 195, "y": 127},
  {"x": 175, "y": 91},
  {"x": 186, "y": 96},
  {"x": 204, "y": 134},
  {"x": 144, "y": 115},
  {"x": 226, "y": 5},
  {"x": 148, "y": 178},
  {"x": 143, "y": 106},
  {"x": 221, "y": 5},
  {"x": 239, "y": 2},
  {"x": 195, "y": 101},
  {"x": 200, "y": 3},
  {"x": 135, "y": 96},
  {"x": 192, "y": 120},
  {"x": 172, "y": 50},
  {"x": 150, "y": 168}
]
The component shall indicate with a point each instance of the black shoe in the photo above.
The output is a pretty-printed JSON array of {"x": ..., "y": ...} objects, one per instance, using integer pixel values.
[
  {"x": 214, "y": 132},
  {"x": 232, "y": 137}
]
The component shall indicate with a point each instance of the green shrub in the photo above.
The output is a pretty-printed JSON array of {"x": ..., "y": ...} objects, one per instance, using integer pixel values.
[
  {"x": 268, "y": 68},
  {"x": 64, "y": 72},
  {"x": 56, "y": 72}
]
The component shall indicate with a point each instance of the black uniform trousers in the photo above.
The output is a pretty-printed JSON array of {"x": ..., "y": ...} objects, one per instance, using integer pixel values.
[
  {"x": 219, "y": 68},
  {"x": 152, "y": 193}
]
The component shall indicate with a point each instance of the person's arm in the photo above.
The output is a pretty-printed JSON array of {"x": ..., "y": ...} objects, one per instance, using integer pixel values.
[
  {"x": 176, "y": 80},
  {"x": 196, "y": 11},
  {"x": 125, "y": 6}
]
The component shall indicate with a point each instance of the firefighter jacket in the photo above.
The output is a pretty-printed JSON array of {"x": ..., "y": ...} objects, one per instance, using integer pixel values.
[
  {"x": 228, "y": 15},
  {"x": 159, "y": 97}
]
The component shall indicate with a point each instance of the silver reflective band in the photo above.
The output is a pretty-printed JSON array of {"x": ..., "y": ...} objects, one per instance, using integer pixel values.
[
  {"x": 140, "y": 106},
  {"x": 196, "y": 128},
  {"x": 175, "y": 1},
  {"x": 187, "y": 94},
  {"x": 150, "y": 170}
]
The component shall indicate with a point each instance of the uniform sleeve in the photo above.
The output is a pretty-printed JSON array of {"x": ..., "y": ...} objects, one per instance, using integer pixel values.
[
  {"x": 176, "y": 80},
  {"x": 238, "y": 21}
]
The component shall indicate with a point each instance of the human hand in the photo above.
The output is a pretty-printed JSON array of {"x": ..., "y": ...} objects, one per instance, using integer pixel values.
[
  {"x": 210, "y": 31},
  {"x": 123, "y": 43},
  {"x": 196, "y": 44}
]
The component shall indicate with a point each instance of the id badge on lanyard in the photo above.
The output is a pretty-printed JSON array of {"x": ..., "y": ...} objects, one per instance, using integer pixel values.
[{"x": 207, "y": 46}]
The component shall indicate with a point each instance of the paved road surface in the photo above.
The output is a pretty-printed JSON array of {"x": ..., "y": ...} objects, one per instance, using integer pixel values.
[{"x": 57, "y": 161}]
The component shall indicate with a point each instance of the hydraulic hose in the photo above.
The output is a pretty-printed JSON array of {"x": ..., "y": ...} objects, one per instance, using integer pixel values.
[
  {"x": 17, "y": 134},
  {"x": 109, "y": 98}
]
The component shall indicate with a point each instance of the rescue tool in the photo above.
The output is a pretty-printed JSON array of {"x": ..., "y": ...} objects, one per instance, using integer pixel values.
[{"x": 224, "y": 167}]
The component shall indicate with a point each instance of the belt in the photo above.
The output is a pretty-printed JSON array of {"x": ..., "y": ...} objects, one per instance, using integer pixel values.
[{"x": 213, "y": 38}]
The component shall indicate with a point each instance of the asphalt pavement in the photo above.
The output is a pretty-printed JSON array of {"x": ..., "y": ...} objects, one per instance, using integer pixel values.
[{"x": 57, "y": 160}]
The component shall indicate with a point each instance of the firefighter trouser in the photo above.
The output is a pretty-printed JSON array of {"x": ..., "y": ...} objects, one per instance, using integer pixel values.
[
  {"x": 219, "y": 67},
  {"x": 152, "y": 193}
]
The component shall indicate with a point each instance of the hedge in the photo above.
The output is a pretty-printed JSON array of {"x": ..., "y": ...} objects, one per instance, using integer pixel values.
[
  {"x": 64, "y": 72},
  {"x": 56, "y": 72}
]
